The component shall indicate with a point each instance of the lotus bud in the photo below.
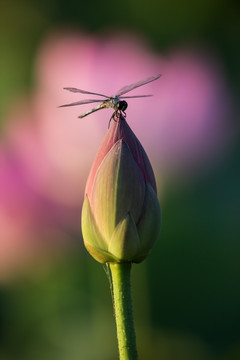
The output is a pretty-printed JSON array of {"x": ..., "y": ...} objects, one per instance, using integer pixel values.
[{"x": 121, "y": 213}]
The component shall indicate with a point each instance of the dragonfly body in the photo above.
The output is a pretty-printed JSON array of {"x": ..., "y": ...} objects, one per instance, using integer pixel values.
[
  {"x": 112, "y": 103},
  {"x": 115, "y": 102}
]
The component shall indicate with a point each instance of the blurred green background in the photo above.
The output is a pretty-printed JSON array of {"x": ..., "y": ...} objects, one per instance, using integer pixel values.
[{"x": 187, "y": 293}]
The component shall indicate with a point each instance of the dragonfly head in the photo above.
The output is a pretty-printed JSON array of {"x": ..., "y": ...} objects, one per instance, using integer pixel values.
[{"x": 122, "y": 105}]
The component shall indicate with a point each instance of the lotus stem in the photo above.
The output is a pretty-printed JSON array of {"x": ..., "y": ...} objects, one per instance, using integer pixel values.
[{"x": 122, "y": 301}]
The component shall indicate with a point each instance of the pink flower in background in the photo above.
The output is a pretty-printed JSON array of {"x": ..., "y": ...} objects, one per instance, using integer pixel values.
[
  {"x": 47, "y": 151},
  {"x": 185, "y": 123},
  {"x": 29, "y": 222}
]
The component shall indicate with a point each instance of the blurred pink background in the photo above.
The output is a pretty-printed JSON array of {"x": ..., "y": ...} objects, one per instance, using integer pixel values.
[{"x": 46, "y": 152}]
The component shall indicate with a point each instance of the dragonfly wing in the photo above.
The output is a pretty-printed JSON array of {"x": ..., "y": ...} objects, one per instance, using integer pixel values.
[
  {"x": 81, "y": 102},
  {"x": 130, "y": 87},
  {"x": 75, "y": 90},
  {"x": 134, "y": 96}
]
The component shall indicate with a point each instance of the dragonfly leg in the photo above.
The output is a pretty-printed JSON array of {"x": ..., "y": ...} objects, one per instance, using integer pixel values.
[
  {"x": 116, "y": 116},
  {"x": 112, "y": 117}
]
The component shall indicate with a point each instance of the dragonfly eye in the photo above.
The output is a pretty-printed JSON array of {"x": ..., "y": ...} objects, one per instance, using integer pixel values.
[{"x": 122, "y": 105}]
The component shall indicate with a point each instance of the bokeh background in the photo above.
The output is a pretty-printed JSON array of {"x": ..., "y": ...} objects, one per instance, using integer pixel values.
[{"x": 55, "y": 301}]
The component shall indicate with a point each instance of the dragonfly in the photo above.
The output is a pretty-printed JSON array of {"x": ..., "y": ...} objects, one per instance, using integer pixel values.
[{"x": 115, "y": 102}]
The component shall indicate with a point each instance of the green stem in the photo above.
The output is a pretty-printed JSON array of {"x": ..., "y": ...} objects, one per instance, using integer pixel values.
[{"x": 120, "y": 276}]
